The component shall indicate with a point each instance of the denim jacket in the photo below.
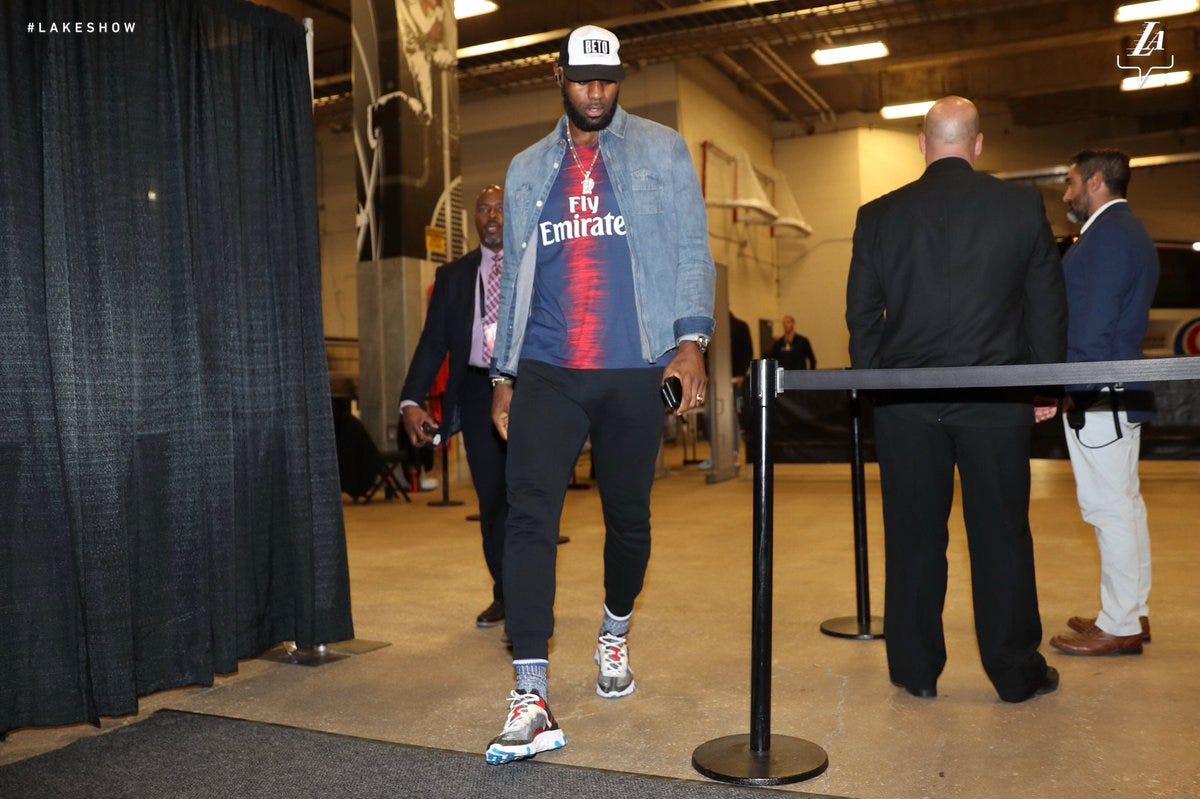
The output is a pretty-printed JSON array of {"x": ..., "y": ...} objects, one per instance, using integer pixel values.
[{"x": 659, "y": 196}]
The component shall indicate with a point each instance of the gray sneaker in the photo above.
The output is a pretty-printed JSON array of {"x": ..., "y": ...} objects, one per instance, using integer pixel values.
[
  {"x": 530, "y": 728},
  {"x": 612, "y": 656}
]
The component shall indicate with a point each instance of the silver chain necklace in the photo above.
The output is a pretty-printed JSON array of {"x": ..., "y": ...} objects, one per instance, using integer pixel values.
[{"x": 587, "y": 184}]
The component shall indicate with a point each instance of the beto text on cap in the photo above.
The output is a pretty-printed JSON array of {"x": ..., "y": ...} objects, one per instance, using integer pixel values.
[{"x": 591, "y": 53}]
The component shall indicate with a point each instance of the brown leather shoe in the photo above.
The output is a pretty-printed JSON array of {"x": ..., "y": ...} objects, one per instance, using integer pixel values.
[
  {"x": 1082, "y": 624},
  {"x": 1097, "y": 642}
]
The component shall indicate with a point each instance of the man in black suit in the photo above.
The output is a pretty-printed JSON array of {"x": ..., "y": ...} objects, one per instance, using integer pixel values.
[
  {"x": 792, "y": 350},
  {"x": 957, "y": 269},
  {"x": 461, "y": 322},
  {"x": 741, "y": 349}
]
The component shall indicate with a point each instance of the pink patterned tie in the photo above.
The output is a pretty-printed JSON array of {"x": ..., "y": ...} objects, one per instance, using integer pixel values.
[{"x": 491, "y": 304}]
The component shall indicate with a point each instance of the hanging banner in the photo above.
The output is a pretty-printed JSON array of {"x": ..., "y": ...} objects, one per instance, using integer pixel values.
[{"x": 405, "y": 122}]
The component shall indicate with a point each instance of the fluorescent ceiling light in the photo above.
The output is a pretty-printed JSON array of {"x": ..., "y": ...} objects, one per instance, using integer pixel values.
[
  {"x": 474, "y": 8},
  {"x": 1157, "y": 9},
  {"x": 854, "y": 52},
  {"x": 1155, "y": 80},
  {"x": 906, "y": 110}
]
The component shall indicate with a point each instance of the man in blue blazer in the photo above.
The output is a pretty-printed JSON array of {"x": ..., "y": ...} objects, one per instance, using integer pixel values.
[
  {"x": 461, "y": 323},
  {"x": 1111, "y": 273}
]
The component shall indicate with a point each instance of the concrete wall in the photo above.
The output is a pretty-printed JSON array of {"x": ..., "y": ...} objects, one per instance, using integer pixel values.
[
  {"x": 712, "y": 109},
  {"x": 833, "y": 174}
]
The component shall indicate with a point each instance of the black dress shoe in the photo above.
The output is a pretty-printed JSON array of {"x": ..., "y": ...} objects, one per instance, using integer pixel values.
[
  {"x": 491, "y": 616},
  {"x": 919, "y": 692},
  {"x": 1049, "y": 683},
  {"x": 564, "y": 539}
]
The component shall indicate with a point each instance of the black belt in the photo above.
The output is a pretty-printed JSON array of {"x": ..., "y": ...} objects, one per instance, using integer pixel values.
[{"x": 1044, "y": 374}]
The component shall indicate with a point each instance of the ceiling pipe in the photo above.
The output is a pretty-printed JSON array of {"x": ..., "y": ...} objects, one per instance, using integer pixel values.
[
  {"x": 667, "y": 13},
  {"x": 797, "y": 83},
  {"x": 682, "y": 12},
  {"x": 744, "y": 78},
  {"x": 1058, "y": 173}
]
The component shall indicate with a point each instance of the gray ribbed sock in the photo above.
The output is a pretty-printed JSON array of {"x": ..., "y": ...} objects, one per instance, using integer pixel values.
[
  {"x": 615, "y": 625},
  {"x": 531, "y": 675}
]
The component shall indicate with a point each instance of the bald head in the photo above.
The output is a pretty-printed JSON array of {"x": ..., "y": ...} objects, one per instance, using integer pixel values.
[{"x": 951, "y": 131}]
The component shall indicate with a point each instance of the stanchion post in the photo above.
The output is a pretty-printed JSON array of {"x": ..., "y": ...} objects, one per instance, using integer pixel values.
[
  {"x": 760, "y": 758},
  {"x": 863, "y": 626},
  {"x": 858, "y": 489},
  {"x": 762, "y": 607}
]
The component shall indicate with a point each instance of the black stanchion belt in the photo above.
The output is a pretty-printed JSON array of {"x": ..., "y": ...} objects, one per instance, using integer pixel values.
[
  {"x": 760, "y": 758},
  {"x": 1042, "y": 374}
]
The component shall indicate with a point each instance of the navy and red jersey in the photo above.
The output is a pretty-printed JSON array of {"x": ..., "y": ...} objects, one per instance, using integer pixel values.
[{"x": 583, "y": 314}]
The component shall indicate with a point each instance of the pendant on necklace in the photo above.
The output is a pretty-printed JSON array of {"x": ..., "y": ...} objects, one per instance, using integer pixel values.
[{"x": 587, "y": 184}]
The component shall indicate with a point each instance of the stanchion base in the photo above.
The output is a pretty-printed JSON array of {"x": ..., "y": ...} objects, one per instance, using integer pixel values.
[
  {"x": 730, "y": 759},
  {"x": 444, "y": 503},
  {"x": 848, "y": 627}
]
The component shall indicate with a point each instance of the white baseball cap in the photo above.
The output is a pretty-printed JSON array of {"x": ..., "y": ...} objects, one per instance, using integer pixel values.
[{"x": 591, "y": 53}]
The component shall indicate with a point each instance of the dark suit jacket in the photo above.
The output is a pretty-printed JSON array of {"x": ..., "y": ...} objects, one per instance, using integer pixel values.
[
  {"x": 1111, "y": 275},
  {"x": 800, "y": 356},
  {"x": 448, "y": 326},
  {"x": 957, "y": 268},
  {"x": 741, "y": 347}
]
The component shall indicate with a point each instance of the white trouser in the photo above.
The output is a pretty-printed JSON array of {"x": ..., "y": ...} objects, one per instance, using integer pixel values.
[{"x": 1110, "y": 498}]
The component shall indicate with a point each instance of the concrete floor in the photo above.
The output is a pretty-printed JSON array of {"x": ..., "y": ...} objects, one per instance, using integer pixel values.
[{"x": 1117, "y": 727}]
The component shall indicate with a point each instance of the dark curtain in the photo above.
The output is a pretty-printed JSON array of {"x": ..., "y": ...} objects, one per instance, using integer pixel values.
[{"x": 169, "y": 497}]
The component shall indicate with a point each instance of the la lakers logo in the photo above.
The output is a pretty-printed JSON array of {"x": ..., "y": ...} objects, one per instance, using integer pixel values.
[{"x": 1152, "y": 40}]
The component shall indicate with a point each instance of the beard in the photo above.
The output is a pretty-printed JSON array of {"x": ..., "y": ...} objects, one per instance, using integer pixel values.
[
  {"x": 583, "y": 123},
  {"x": 1077, "y": 212}
]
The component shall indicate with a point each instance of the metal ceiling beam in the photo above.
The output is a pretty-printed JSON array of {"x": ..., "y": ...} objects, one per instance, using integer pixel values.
[
  {"x": 1000, "y": 75},
  {"x": 1048, "y": 61},
  {"x": 797, "y": 83},
  {"x": 327, "y": 9},
  {"x": 1058, "y": 173},
  {"x": 1054, "y": 43},
  {"x": 743, "y": 78},
  {"x": 676, "y": 13},
  {"x": 673, "y": 12}
]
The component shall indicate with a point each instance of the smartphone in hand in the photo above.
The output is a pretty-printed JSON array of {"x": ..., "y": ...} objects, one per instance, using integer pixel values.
[{"x": 672, "y": 392}]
